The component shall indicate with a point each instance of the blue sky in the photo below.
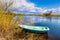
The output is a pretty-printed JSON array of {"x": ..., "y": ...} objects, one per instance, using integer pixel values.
[
  {"x": 46, "y": 3},
  {"x": 37, "y": 6}
]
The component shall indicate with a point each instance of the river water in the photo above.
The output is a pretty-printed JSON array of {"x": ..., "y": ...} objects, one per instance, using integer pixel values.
[{"x": 52, "y": 22}]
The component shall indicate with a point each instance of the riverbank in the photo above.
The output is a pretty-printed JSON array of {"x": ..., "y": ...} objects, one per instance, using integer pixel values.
[
  {"x": 9, "y": 30},
  {"x": 18, "y": 34}
]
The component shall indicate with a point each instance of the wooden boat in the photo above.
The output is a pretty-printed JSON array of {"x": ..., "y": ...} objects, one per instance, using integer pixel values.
[{"x": 35, "y": 29}]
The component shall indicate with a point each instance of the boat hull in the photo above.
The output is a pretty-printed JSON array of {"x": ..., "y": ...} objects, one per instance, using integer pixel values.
[{"x": 35, "y": 29}]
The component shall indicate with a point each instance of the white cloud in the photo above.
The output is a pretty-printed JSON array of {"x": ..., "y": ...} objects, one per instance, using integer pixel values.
[
  {"x": 23, "y": 5},
  {"x": 26, "y": 6}
]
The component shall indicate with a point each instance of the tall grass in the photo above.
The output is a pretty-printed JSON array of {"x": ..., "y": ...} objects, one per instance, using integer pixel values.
[{"x": 8, "y": 26}]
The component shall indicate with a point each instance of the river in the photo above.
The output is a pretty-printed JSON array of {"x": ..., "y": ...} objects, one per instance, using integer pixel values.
[{"x": 52, "y": 22}]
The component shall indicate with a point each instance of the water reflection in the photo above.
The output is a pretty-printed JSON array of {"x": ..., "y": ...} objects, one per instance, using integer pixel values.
[
  {"x": 33, "y": 19},
  {"x": 52, "y": 22}
]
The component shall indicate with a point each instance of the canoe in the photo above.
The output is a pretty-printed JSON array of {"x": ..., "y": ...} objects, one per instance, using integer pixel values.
[{"x": 35, "y": 29}]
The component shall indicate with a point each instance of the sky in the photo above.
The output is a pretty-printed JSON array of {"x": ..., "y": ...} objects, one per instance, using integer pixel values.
[
  {"x": 46, "y": 3},
  {"x": 36, "y": 6}
]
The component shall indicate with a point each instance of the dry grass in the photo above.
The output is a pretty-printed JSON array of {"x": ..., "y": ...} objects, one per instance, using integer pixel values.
[
  {"x": 8, "y": 27},
  {"x": 9, "y": 30}
]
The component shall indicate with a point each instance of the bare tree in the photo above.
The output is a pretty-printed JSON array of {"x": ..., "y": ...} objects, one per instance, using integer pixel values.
[{"x": 5, "y": 5}]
